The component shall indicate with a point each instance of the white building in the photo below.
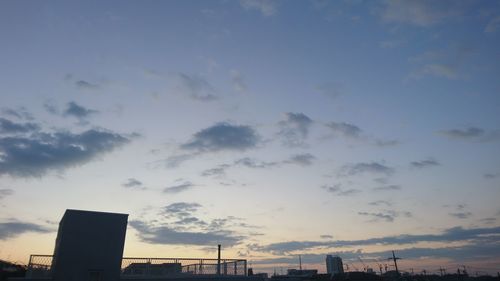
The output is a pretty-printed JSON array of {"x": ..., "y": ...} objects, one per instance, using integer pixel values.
[{"x": 334, "y": 265}]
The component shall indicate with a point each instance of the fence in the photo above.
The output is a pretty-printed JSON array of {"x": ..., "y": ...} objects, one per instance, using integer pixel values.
[{"x": 41, "y": 265}]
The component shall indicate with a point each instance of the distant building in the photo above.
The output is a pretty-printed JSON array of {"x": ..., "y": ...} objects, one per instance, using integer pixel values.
[
  {"x": 301, "y": 272},
  {"x": 152, "y": 269},
  {"x": 334, "y": 265}
]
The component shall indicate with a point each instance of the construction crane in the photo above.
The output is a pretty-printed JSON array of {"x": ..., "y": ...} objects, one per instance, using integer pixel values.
[{"x": 362, "y": 262}]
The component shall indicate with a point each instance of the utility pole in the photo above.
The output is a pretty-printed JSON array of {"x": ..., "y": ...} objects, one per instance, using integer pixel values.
[
  {"x": 394, "y": 258},
  {"x": 300, "y": 263},
  {"x": 218, "y": 259}
]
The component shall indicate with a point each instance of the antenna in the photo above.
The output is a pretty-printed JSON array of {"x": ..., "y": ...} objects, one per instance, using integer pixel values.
[{"x": 394, "y": 258}]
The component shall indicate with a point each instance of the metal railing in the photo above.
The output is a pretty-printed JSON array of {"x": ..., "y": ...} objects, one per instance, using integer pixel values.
[{"x": 40, "y": 267}]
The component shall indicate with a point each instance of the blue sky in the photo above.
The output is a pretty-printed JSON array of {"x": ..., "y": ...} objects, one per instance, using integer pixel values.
[{"x": 276, "y": 128}]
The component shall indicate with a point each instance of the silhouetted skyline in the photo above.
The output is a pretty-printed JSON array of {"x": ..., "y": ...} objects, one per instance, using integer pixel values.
[{"x": 274, "y": 128}]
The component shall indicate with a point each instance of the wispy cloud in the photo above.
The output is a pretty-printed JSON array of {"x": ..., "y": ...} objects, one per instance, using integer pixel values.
[
  {"x": 424, "y": 163},
  {"x": 337, "y": 190},
  {"x": 331, "y": 89},
  {"x": 294, "y": 129},
  {"x": 133, "y": 183},
  {"x": 392, "y": 187},
  {"x": 472, "y": 134},
  {"x": 238, "y": 81},
  {"x": 85, "y": 85},
  {"x": 14, "y": 228},
  {"x": 303, "y": 159},
  {"x": 265, "y": 7},
  {"x": 493, "y": 25},
  {"x": 345, "y": 129},
  {"x": 5, "y": 192},
  {"x": 366, "y": 167},
  {"x": 179, "y": 187},
  {"x": 9, "y": 127},
  {"x": 252, "y": 163},
  {"x": 184, "y": 227},
  {"x": 20, "y": 113},
  {"x": 385, "y": 215},
  {"x": 421, "y": 13},
  {"x": 75, "y": 110},
  {"x": 195, "y": 87},
  {"x": 167, "y": 235},
  {"x": 486, "y": 236}
]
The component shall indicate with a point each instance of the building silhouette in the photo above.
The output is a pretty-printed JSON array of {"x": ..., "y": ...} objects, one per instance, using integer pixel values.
[
  {"x": 89, "y": 247},
  {"x": 334, "y": 265}
]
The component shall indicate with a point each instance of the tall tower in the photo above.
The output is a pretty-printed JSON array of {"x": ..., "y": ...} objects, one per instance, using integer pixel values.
[{"x": 334, "y": 265}]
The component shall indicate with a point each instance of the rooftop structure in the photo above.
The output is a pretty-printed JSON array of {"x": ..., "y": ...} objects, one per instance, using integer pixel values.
[{"x": 89, "y": 247}]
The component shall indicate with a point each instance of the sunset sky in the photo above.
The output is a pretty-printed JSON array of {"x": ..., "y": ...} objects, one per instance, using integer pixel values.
[{"x": 275, "y": 128}]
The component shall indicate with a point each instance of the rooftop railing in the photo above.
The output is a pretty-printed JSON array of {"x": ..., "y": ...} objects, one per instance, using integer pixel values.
[{"x": 40, "y": 266}]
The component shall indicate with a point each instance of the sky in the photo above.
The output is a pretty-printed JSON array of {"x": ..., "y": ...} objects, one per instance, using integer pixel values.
[{"x": 274, "y": 128}]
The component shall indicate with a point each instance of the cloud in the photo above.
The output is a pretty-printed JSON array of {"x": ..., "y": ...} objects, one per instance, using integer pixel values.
[
  {"x": 133, "y": 183},
  {"x": 195, "y": 87},
  {"x": 38, "y": 154},
  {"x": 304, "y": 159},
  {"x": 424, "y": 163},
  {"x": 390, "y": 44},
  {"x": 217, "y": 171},
  {"x": 11, "y": 229},
  {"x": 380, "y": 202},
  {"x": 388, "y": 217},
  {"x": 364, "y": 167},
  {"x": 385, "y": 143},
  {"x": 175, "y": 161},
  {"x": 78, "y": 111},
  {"x": 392, "y": 187},
  {"x": 461, "y": 215},
  {"x": 179, "y": 225},
  {"x": 265, "y": 7},
  {"x": 252, "y": 163},
  {"x": 326, "y": 236},
  {"x": 472, "y": 252},
  {"x": 5, "y": 192},
  {"x": 181, "y": 209},
  {"x": 489, "y": 220},
  {"x": 338, "y": 191},
  {"x": 84, "y": 85},
  {"x": 167, "y": 235},
  {"x": 493, "y": 25},
  {"x": 446, "y": 63},
  {"x": 491, "y": 176},
  {"x": 294, "y": 129},
  {"x": 470, "y": 132},
  {"x": 454, "y": 234},
  {"x": 422, "y": 13},
  {"x": 19, "y": 113},
  {"x": 178, "y": 188},
  {"x": 9, "y": 127},
  {"x": 331, "y": 90},
  {"x": 223, "y": 136},
  {"x": 345, "y": 129},
  {"x": 238, "y": 81}
]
